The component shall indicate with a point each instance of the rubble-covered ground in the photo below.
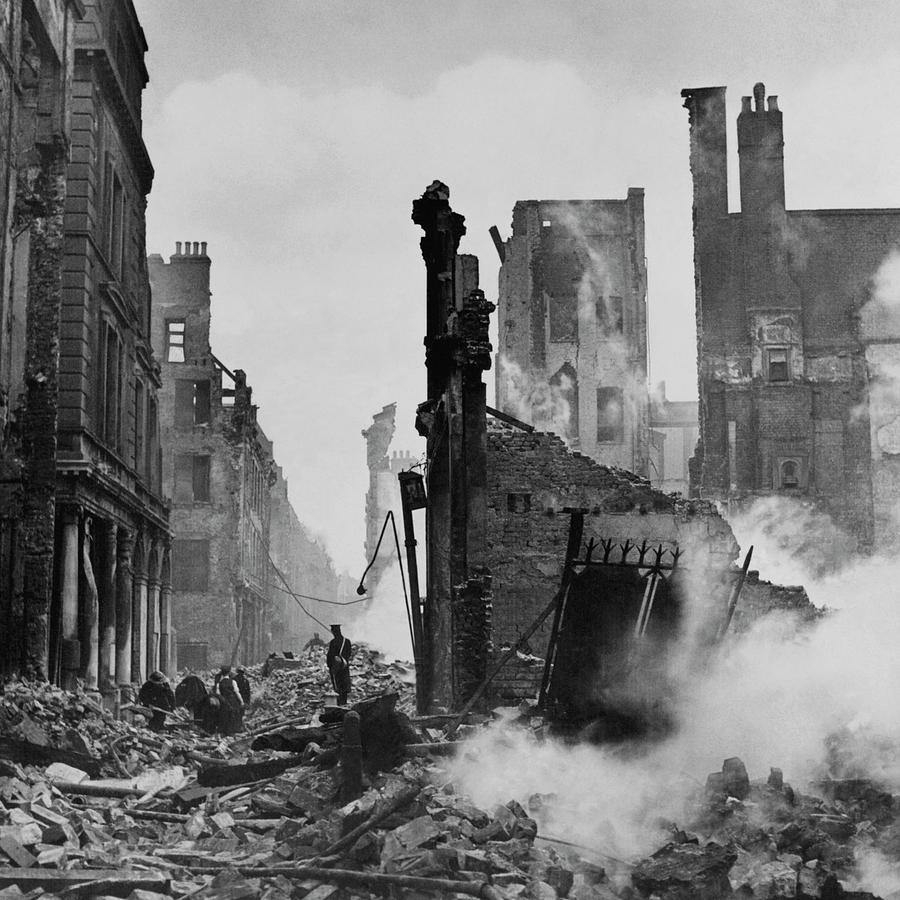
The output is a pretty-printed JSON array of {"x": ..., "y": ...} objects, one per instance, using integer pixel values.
[{"x": 94, "y": 807}]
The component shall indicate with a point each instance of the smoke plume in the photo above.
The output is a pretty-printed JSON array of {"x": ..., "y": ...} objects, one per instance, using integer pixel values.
[
  {"x": 816, "y": 701},
  {"x": 384, "y": 625}
]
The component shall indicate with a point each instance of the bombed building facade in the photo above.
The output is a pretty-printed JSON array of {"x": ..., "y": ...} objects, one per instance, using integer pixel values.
[
  {"x": 503, "y": 502},
  {"x": 572, "y": 355},
  {"x": 796, "y": 349},
  {"x": 302, "y": 566},
  {"x": 218, "y": 469},
  {"x": 37, "y": 50},
  {"x": 88, "y": 597}
]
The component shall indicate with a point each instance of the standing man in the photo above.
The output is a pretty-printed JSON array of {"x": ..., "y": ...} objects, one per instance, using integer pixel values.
[{"x": 338, "y": 661}]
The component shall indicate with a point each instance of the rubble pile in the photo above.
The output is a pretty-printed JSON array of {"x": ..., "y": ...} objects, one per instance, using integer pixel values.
[{"x": 245, "y": 817}]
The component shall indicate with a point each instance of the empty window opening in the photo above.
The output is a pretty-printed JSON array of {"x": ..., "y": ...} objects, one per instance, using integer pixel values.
[
  {"x": 611, "y": 315},
  {"x": 610, "y": 415},
  {"x": 778, "y": 364},
  {"x": 175, "y": 341},
  {"x": 564, "y": 318},
  {"x": 192, "y": 400},
  {"x": 518, "y": 503},
  {"x": 190, "y": 565}
]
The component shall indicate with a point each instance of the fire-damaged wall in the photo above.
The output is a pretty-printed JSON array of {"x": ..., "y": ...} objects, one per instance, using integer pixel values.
[
  {"x": 533, "y": 478},
  {"x": 788, "y": 372},
  {"x": 572, "y": 355}
]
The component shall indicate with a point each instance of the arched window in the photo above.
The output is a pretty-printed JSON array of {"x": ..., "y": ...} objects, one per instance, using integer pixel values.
[{"x": 790, "y": 475}]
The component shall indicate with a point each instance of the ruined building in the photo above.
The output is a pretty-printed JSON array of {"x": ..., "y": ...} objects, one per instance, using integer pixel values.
[
  {"x": 674, "y": 430},
  {"x": 573, "y": 325},
  {"x": 233, "y": 525},
  {"x": 383, "y": 495},
  {"x": 500, "y": 502},
  {"x": 216, "y": 469},
  {"x": 795, "y": 353},
  {"x": 37, "y": 50},
  {"x": 85, "y": 411},
  {"x": 308, "y": 570}
]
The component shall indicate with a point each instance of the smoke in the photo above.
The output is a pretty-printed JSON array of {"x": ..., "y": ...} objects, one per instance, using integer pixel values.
[
  {"x": 880, "y": 320},
  {"x": 793, "y": 541},
  {"x": 535, "y": 401},
  {"x": 384, "y": 624},
  {"x": 816, "y": 701}
]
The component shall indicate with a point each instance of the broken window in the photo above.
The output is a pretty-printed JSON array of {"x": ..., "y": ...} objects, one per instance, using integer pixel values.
[
  {"x": 190, "y": 565},
  {"x": 175, "y": 341},
  {"x": 777, "y": 364},
  {"x": 564, "y": 317},
  {"x": 610, "y": 315},
  {"x": 191, "y": 478},
  {"x": 610, "y": 414},
  {"x": 191, "y": 403}
]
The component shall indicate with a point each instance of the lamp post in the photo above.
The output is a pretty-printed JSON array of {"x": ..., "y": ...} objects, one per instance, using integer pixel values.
[{"x": 412, "y": 496}]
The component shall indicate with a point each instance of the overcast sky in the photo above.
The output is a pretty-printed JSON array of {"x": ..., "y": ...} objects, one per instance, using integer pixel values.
[{"x": 293, "y": 137}]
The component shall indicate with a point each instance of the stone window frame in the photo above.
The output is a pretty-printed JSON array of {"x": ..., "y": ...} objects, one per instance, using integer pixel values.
[{"x": 608, "y": 431}]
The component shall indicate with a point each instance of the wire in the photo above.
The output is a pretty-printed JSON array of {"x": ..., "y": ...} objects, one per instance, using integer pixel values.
[{"x": 278, "y": 587}]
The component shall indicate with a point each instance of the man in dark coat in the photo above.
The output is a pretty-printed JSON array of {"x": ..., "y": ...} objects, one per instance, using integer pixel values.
[
  {"x": 157, "y": 693},
  {"x": 338, "y": 661},
  {"x": 231, "y": 712},
  {"x": 243, "y": 684}
]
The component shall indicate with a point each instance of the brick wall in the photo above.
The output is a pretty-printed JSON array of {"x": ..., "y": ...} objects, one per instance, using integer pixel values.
[{"x": 532, "y": 477}]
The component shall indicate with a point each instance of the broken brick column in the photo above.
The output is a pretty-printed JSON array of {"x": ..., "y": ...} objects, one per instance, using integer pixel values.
[{"x": 452, "y": 419}]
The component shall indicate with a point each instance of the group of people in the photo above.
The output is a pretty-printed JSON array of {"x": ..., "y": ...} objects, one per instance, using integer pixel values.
[{"x": 220, "y": 710}]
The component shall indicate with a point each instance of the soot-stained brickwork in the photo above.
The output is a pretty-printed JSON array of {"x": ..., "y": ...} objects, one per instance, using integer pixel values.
[
  {"x": 796, "y": 347},
  {"x": 572, "y": 319},
  {"x": 532, "y": 479}
]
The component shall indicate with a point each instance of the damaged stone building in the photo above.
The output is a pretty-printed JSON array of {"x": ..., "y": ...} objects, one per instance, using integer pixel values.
[
  {"x": 572, "y": 355},
  {"x": 383, "y": 495},
  {"x": 233, "y": 526},
  {"x": 502, "y": 499},
  {"x": 308, "y": 570},
  {"x": 797, "y": 350},
  {"x": 37, "y": 50},
  {"x": 75, "y": 288}
]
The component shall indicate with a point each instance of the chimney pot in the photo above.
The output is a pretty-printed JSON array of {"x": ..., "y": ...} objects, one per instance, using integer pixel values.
[
  {"x": 196, "y": 248},
  {"x": 187, "y": 248},
  {"x": 759, "y": 96},
  {"x": 745, "y": 105},
  {"x": 178, "y": 248},
  {"x": 773, "y": 103},
  {"x": 203, "y": 248}
]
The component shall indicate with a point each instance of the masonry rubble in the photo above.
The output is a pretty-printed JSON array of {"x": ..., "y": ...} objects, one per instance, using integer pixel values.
[{"x": 156, "y": 818}]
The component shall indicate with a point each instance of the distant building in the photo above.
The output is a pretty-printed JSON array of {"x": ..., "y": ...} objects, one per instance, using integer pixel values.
[
  {"x": 573, "y": 325},
  {"x": 306, "y": 566},
  {"x": 218, "y": 469},
  {"x": 797, "y": 349},
  {"x": 673, "y": 440}
]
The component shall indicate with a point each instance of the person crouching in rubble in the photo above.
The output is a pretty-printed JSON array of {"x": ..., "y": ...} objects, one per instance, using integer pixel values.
[
  {"x": 231, "y": 712},
  {"x": 337, "y": 659},
  {"x": 157, "y": 693}
]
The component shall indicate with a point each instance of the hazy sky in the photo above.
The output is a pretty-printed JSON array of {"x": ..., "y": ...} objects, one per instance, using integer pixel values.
[{"x": 293, "y": 137}]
